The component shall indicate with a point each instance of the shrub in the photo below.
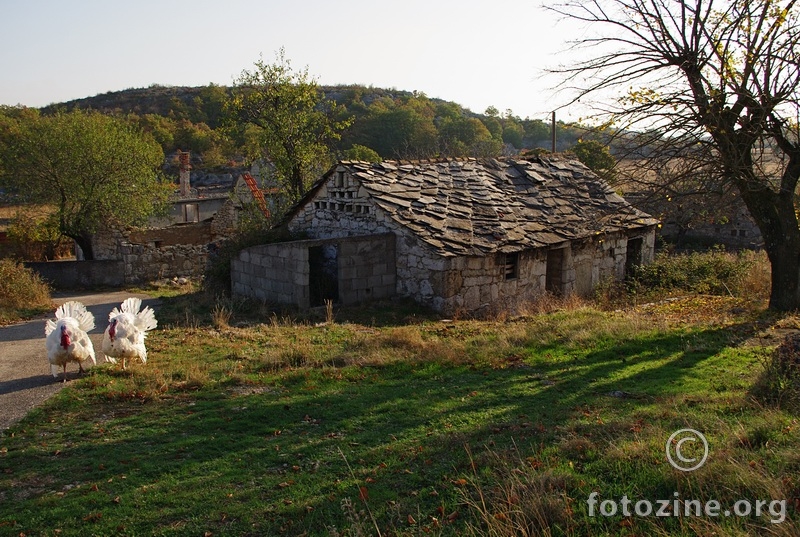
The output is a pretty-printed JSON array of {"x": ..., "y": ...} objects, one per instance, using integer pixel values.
[
  {"x": 715, "y": 272},
  {"x": 22, "y": 292}
]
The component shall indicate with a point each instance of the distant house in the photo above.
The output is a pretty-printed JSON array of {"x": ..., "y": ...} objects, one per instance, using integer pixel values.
[
  {"x": 181, "y": 242},
  {"x": 457, "y": 235}
]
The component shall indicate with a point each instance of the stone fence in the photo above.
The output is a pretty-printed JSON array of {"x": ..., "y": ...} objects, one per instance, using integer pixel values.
[{"x": 63, "y": 275}]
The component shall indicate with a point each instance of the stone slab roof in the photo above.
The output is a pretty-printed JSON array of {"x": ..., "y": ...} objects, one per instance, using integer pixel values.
[{"x": 476, "y": 207}]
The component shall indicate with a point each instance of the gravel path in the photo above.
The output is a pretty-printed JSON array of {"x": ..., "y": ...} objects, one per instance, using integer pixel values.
[{"x": 25, "y": 378}]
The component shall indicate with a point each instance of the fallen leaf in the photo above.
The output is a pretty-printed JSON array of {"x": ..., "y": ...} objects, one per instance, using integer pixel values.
[{"x": 411, "y": 520}]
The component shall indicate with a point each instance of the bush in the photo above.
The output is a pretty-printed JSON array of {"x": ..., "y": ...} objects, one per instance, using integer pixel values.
[
  {"x": 22, "y": 292},
  {"x": 715, "y": 272}
]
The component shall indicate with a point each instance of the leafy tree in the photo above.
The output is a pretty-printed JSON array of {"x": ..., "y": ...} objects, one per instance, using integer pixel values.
[
  {"x": 537, "y": 133},
  {"x": 296, "y": 124},
  {"x": 513, "y": 134},
  {"x": 96, "y": 170},
  {"x": 495, "y": 127},
  {"x": 712, "y": 82},
  {"x": 210, "y": 104},
  {"x": 596, "y": 157},
  {"x": 35, "y": 236},
  {"x": 162, "y": 128},
  {"x": 362, "y": 153},
  {"x": 467, "y": 136},
  {"x": 399, "y": 132}
]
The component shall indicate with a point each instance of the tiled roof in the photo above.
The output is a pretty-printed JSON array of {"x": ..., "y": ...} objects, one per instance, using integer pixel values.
[{"x": 475, "y": 207}]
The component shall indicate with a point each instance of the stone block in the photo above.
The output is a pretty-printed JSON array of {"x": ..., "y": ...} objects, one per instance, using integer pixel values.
[{"x": 474, "y": 263}]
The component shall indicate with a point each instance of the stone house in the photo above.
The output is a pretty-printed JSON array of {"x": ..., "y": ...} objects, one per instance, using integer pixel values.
[
  {"x": 460, "y": 235},
  {"x": 180, "y": 243}
]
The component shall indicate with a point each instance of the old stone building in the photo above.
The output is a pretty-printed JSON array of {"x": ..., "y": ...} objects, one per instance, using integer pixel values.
[{"x": 457, "y": 235}]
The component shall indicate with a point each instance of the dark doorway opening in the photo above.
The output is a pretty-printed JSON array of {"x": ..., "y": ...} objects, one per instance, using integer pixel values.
[
  {"x": 633, "y": 257},
  {"x": 323, "y": 274},
  {"x": 554, "y": 277}
]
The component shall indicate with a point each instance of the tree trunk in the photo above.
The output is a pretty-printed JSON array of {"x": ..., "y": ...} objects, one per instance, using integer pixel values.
[
  {"x": 297, "y": 181},
  {"x": 85, "y": 244},
  {"x": 785, "y": 260},
  {"x": 775, "y": 216}
]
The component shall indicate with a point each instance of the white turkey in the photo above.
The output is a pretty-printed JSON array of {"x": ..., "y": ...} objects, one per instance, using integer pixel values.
[
  {"x": 67, "y": 339},
  {"x": 126, "y": 330}
]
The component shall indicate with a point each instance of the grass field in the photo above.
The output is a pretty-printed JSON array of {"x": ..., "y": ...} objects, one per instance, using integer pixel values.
[{"x": 390, "y": 421}]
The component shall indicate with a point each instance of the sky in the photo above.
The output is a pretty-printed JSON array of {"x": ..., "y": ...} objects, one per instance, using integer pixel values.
[{"x": 477, "y": 53}]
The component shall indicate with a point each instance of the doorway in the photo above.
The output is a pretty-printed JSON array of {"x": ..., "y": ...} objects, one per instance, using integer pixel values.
[
  {"x": 323, "y": 274},
  {"x": 633, "y": 256},
  {"x": 554, "y": 275}
]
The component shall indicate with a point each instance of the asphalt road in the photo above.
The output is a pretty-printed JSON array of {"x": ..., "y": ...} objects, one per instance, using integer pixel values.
[{"x": 25, "y": 378}]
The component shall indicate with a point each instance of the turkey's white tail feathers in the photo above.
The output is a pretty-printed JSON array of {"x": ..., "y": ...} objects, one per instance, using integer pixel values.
[
  {"x": 77, "y": 311},
  {"x": 49, "y": 326},
  {"x": 146, "y": 319},
  {"x": 131, "y": 305}
]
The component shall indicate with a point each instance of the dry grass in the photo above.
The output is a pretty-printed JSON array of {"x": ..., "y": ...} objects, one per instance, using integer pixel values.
[{"x": 22, "y": 292}]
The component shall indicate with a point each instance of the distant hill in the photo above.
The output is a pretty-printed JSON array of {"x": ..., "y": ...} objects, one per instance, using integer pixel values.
[
  {"x": 162, "y": 100},
  {"x": 394, "y": 123},
  {"x": 155, "y": 99}
]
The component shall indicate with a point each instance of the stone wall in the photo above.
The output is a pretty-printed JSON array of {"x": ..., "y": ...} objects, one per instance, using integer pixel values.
[
  {"x": 510, "y": 281},
  {"x": 367, "y": 268},
  {"x": 153, "y": 254},
  {"x": 64, "y": 275},
  {"x": 280, "y": 273}
]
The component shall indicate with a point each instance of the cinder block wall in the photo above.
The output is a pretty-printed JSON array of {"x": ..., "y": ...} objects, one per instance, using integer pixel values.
[
  {"x": 367, "y": 268},
  {"x": 273, "y": 273},
  {"x": 279, "y": 273}
]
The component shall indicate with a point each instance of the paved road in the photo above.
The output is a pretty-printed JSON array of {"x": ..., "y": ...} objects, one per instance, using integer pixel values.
[{"x": 25, "y": 378}]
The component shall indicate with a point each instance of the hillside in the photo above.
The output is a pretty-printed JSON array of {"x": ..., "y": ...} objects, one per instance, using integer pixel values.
[
  {"x": 394, "y": 123},
  {"x": 163, "y": 100}
]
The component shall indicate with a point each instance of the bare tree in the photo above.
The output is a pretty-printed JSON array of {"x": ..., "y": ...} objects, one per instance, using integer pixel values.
[{"x": 710, "y": 82}]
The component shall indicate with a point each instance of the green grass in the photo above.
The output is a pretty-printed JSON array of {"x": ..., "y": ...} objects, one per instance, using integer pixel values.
[{"x": 395, "y": 422}]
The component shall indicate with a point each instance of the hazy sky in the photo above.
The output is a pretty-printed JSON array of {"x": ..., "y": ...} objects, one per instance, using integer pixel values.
[{"x": 476, "y": 53}]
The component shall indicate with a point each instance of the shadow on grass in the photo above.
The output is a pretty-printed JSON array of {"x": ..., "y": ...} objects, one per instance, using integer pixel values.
[
  {"x": 236, "y": 459},
  {"x": 193, "y": 309}
]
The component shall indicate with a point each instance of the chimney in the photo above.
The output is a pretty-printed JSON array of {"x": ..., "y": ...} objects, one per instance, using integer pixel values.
[{"x": 184, "y": 173}]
